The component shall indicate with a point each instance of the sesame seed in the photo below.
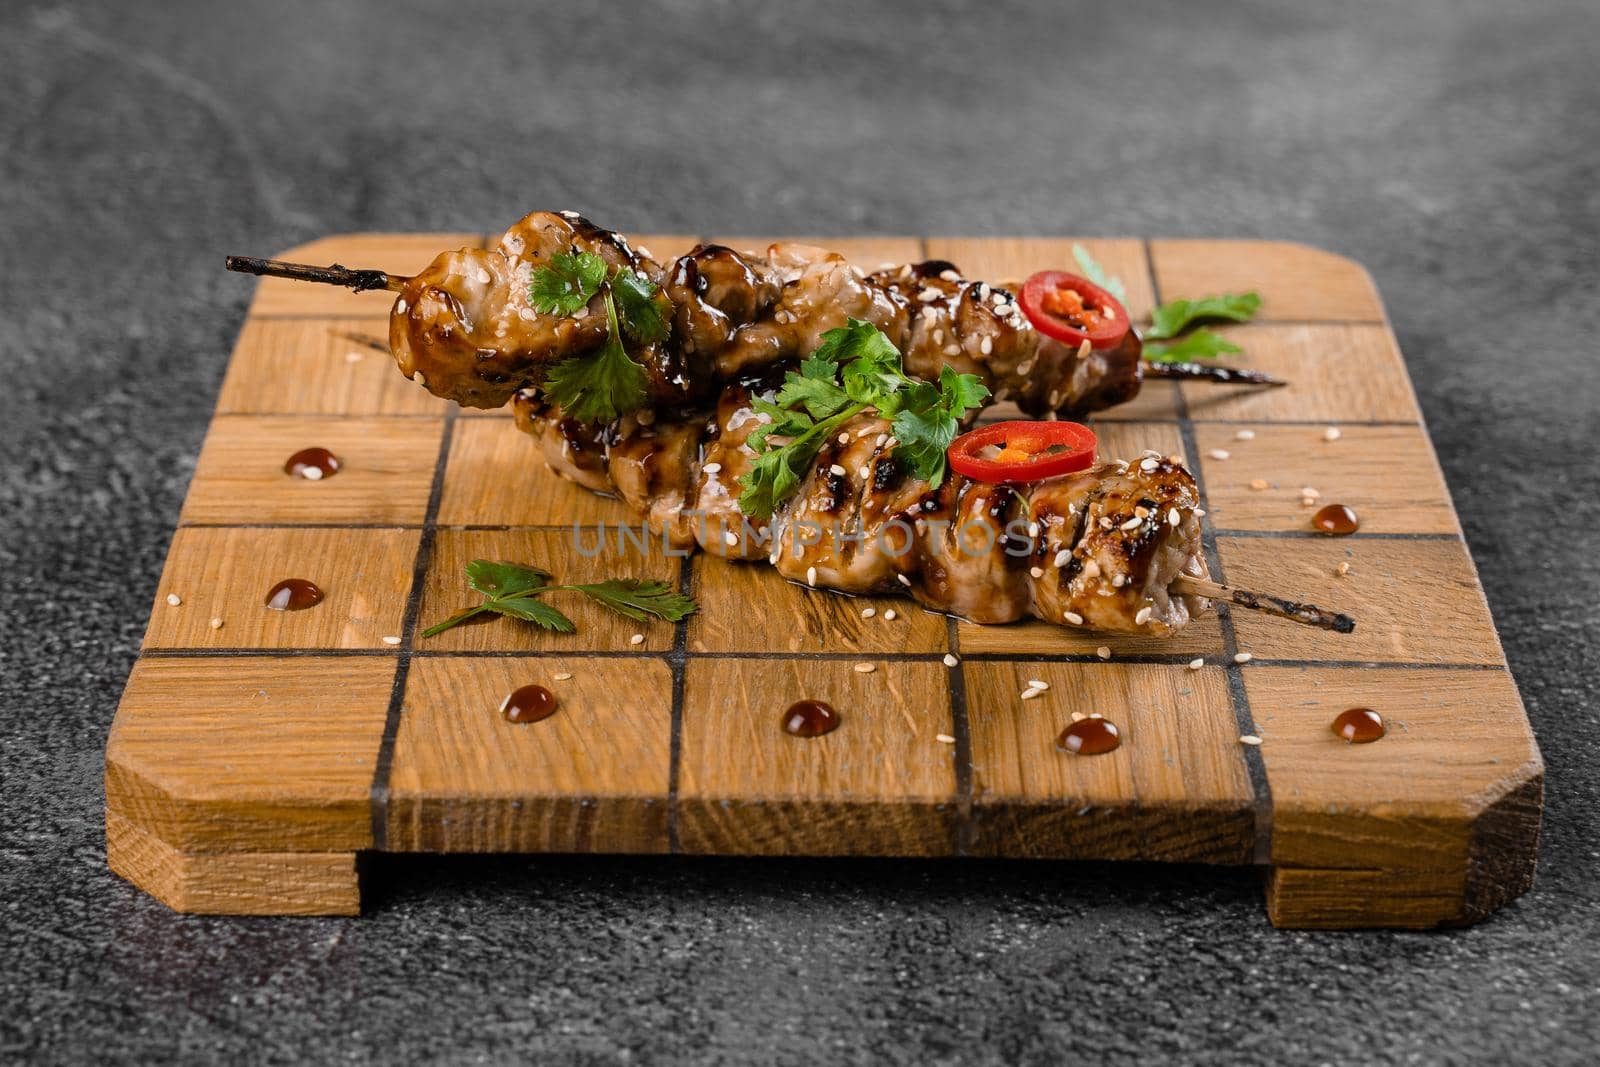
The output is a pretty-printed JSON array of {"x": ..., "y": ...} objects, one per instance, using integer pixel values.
[
  {"x": 712, "y": 468},
  {"x": 645, "y": 252},
  {"x": 581, "y": 313},
  {"x": 844, "y": 438},
  {"x": 836, "y": 469},
  {"x": 881, "y": 438},
  {"x": 1173, "y": 517},
  {"x": 1074, "y": 618},
  {"x": 1149, "y": 464},
  {"x": 928, "y": 296},
  {"x": 1242, "y": 657},
  {"x": 950, "y": 276},
  {"x": 903, "y": 579},
  {"x": 174, "y": 599},
  {"x": 562, "y": 676},
  {"x": 890, "y": 615},
  {"x": 1199, "y": 513},
  {"x": 1037, "y": 572},
  {"x": 1249, "y": 739},
  {"x": 1144, "y": 615},
  {"x": 983, "y": 290},
  {"x": 1119, "y": 580},
  {"x": 1096, "y": 715},
  {"x": 353, "y": 357},
  {"x": 863, "y": 472},
  {"x": 865, "y": 668},
  {"x": 811, "y": 576},
  {"x": 1078, "y": 716},
  {"x": 1176, "y": 461},
  {"x": 1142, "y": 512},
  {"x": 1343, "y": 568},
  {"x": 867, "y": 613},
  {"x": 950, "y": 660},
  {"x": 1031, "y": 694},
  {"x": 1025, "y": 367},
  {"x": 1331, "y": 434},
  {"x": 986, "y": 346},
  {"x": 952, "y": 350},
  {"x": 730, "y": 538},
  {"x": 1310, "y": 492},
  {"x": 1033, "y": 529},
  {"x": 216, "y": 624},
  {"x": 938, "y": 337},
  {"x": 944, "y": 739},
  {"x": 1133, "y": 523},
  {"x": 1245, "y": 435},
  {"x": 391, "y": 640},
  {"x": 1105, "y": 522},
  {"x": 421, "y": 379},
  {"x": 1062, "y": 557},
  {"x": 1037, "y": 683},
  {"x": 1259, "y": 484},
  {"x": 1103, "y": 652},
  {"x": 1196, "y": 664},
  {"x": 636, "y": 639},
  {"x": 1218, "y": 453},
  {"x": 1084, "y": 349},
  {"x": 484, "y": 277}
]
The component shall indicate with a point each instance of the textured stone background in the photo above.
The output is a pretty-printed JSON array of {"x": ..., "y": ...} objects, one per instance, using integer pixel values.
[{"x": 1452, "y": 147}]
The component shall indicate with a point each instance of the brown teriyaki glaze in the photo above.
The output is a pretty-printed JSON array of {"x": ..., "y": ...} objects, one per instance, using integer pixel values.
[
  {"x": 313, "y": 464},
  {"x": 530, "y": 703},
  {"x": 1090, "y": 737},
  {"x": 1336, "y": 519},
  {"x": 294, "y": 594},
  {"x": 810, "y": 718},
  {"x": 1359, "y": 726}
]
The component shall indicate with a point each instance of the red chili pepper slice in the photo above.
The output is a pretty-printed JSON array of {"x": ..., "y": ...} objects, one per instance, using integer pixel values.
[
  {"x": 1023, "y": 451},
  {"x": 1072, "y": 309}
]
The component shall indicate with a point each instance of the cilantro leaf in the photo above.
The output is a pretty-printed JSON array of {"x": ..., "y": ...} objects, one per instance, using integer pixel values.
[
  {"x": 1097, "y": 274},
  {"x": 1175, "y": 316},
  {"x": 599, "y": 387},
  {"x": 494, "y": 578},
  {"x": 567, "y": 282},
  {"x": 639, "y": 598},
  {"x": 812, "y": 389},
  {"x": 642, "y": 306},
  {"x": 857, "y": 340},
  {"x": 1201, "y": 344},
  {"x": 925, "y": 430}
]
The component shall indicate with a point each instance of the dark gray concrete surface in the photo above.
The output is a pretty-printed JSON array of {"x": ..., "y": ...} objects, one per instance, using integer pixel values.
[{"x": 1452, "y": 147}]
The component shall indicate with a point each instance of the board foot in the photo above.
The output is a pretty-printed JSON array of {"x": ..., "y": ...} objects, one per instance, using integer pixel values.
[{"x": 233, "y": 883}]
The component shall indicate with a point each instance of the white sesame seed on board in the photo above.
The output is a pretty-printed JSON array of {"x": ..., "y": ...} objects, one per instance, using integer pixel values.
[
  {"x": 865, "y": 668},
  {"x": 636, "y": 639},
  {"x": 1245, "y": 435},
  {"x": 1258, "y": 484},
  {"x": 1031, "y": 694},
  {"x": 1143, "y": 615},
  {"x": 1074, "y": 618},
  {"x": 1243, "y": 657},
  {"x": 1038, "y": 683},
  {"x": 391, "y": 639},
  {"x": 216, "y": 624},
  {"x": 950, "y": 660},
  {"x": 867, "y": 613},
  {"x": 174, "y": 599},
  {"x": 1343, "y": 568},
  {"x": 890, "y": 615},
  {"x": 1218, "y": 453},
  {"x": 1310, "y": 492},
  {"x": 1196, "y": 664},
  {"x": 1249, "y": 739},
  {"x": 711, "y": 468},
  {"x": 1062, "y": 557},
  {"x": 944, "y": 739},
  {"x": 836, "y": 470},
  {"x": 354, "y": 357},
  {"x": 1103, "y": 652},
  {"x": 1331, "y": 434},
  {"x": 1078, "y": 716},
  {"x": 811, "y": 576},
  {"x": 562, "y": 676}
]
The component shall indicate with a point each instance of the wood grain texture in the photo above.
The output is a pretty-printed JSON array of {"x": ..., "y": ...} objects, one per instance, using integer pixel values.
[
  {"x": 1297, "y": 283},
  {"x": 1388, "y": 474},
  {"x": 1413, "y": 601},
  {"x": 226, "y": 572},
  {"x": 385, "y": 476},
  {"x": 591, "y": 778},
  {"x": 256, "y": 754},
  {"x": 1176, "y": 789},
  {"x": 233, "y": 883},
  {"x": 311, "y": 366},
  {"x": 881, "y": 784},
  {"x": 246, "y": 783}
]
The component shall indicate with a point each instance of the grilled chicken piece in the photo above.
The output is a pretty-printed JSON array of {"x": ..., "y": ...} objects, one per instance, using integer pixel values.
[
  {"x": 1098, "y": 549},
  {"x": 465, "y": 328}
]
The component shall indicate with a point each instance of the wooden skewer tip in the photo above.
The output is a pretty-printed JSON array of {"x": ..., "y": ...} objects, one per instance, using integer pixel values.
[{"x": 1293, "y": 610}]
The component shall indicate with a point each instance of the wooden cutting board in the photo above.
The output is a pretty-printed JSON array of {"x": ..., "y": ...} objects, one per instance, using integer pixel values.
[{"x": 256, "y": 753}]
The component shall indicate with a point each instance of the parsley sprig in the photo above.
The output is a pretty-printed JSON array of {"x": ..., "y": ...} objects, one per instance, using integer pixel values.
[
  {"x": 1175, "y": 316},
  {"x": 514, "y": 589},
  {"x": 601, "y": 386},
  {"x": 855, "y": 368},
  {"x": 1171, "y": 319}
]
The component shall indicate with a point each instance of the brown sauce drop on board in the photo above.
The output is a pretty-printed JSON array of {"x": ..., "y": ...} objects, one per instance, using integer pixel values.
[
  {"x": 810, "y": 718},
  {"x": 1336, "y": 519},
  {"x": 1090, "y": 737},
  {"x": 312, "y": 464},
  {"x": 1359, "y": 726},
  {"x": 528, "y": 704},
  {"x": 293, "y": 594}
]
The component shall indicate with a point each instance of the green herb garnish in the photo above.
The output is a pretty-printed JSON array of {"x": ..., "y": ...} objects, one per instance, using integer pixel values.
[
  {"x": 513, "y": 589},
  {"x": 1201, "y": 344},
  {"x": 1175, "y": 316},
  {"x": 1097, "y": 274},
  {"x": 644, "y": 309},
  {"x": 566, "y": 283},
  {"x": 602, "y": 386},
  {"x": 855, "y": 368}
]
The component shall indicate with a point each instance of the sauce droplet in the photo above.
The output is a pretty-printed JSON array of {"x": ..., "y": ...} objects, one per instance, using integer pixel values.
[
  {"x": 810, "y": 718},
  {"x": 1336, "y": 519},
  {"x": 528, "y": 704},
  {"x": 312, "y": 464},
  {"x": 1090, "y": 737},
  {"x": 294, "y": 594},
  {"x": 1359, "y": 726}
]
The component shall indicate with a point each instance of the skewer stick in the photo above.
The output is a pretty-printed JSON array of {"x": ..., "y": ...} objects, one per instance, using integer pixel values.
[
  {"x": 1204, "y": 372},
  {"x": 335, "y": 274},
  {"x": 1293, "y": 610}
]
